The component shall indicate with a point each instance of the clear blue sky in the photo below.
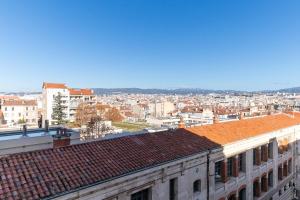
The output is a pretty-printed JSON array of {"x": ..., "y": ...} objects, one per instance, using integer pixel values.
[{"x": 224, "y": 44}]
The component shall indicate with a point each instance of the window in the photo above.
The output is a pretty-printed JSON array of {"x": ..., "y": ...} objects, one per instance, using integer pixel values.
[
  {"x": 280, "y": 173},
  {"x": 218, "y": 167},
  {"x": 254, "y": 156},
  {"x": 270, "y": 150},
  {"x": 270, "y": 179},
  {"x": 256, "y": 189},
  {"x": 290, "y": 166},
  {"x": 12, "y": 108},
  {"x": 27, "y": 108},
  {"x": 19, "y": 114},
  {"x": 173, "y": 188},
  {"x": 242, "y": 162},
  {"x": 142, "y": 195},
  {"x": 264, "y": 183},
  {"x": 229, "y": 167},
  {"x": 33, "y": 108},
  {"x": 5, "y": 108},
  {"x": 197, "y": 186}
]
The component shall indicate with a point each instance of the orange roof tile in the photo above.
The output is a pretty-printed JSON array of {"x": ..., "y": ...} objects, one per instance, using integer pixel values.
[
  {"x": 55, "y": 85},
  {"x": 228, "y": 132},
  {"x": 81, "y": 91},
  {"x": 20, "y": 103}
]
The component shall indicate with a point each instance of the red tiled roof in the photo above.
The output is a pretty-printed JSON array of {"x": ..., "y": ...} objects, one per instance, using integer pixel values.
[
  {"x": 46, "y": 173},
  {"x": 81, "y": 91},
  {"x": 54, "y": 85},
  {"x": 228, "y": 132},
  {"x": 20, "y": 103},
  {"x": 9, "y": 97}
]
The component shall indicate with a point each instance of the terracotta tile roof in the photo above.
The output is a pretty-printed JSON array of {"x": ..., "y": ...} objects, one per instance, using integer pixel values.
[
  {"x": 9, "y": 97},
  {"x": 81, "y": 91},
  {"x": 228, "y": 132},
  {"x": 55, "y": 85},
  {"x": 47, "y": 173},
  {"x": 20, "y": 103}
]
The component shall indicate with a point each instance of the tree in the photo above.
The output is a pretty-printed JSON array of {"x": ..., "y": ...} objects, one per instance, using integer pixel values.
[
  {"x": 21, "y": 121},
  {"x": 113, "y": 114},
  {"x": 58, "y": 113},
  {"x": 96, "y": 128},
  {"x": 85, "y": 113}
]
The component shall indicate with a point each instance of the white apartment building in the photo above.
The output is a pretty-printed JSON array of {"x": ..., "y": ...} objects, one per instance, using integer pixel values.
[
  {"x": 20, "y": 111},
  {"x": 161, "y": 109},
  {"x": 71, "y": 98}
]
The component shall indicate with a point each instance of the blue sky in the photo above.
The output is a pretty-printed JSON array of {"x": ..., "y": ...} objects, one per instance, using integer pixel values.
[{"x": 216, "y": 44}]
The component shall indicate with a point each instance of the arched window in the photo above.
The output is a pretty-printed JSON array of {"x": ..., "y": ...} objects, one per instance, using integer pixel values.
[{"x": 197, "y": 186}]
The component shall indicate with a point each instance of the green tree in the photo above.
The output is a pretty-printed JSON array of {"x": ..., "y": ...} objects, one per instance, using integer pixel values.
[
  {"x": 58, "y": 113},
  {"x": 21, "y": 121}
]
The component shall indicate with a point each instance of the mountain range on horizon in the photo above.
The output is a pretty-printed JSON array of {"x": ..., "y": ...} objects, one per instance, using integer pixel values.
[
  {"x": 99, "y": 91},
  {"x": 186, "y": 91}
]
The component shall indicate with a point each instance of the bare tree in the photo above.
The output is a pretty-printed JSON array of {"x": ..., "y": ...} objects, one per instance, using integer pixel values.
[
  {"x": 85, "y": 113},
  {"x": 113, "y": 114},
  {"x": 96, "y": 128}
]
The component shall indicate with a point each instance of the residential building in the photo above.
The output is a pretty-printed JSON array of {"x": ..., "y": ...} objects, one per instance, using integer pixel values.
[
  {"x": 20, "y": 111},
  {"x": 71, "y": 98},
  {"x": 257, "y": 160}
]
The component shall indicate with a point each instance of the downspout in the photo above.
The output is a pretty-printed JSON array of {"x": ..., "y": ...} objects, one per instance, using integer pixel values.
[{"x": 207, "y": 173}]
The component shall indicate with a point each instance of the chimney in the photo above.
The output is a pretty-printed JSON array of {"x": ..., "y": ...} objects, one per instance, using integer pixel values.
[
  {"x": 215, "y": 119},
  {"x": 24, "y": 130},
  {"x": 62, "y": 138},
  {"x": 47, "y": 125},
  {"x": 181, "y": 123},
  {"x": 241, "y": 116}
]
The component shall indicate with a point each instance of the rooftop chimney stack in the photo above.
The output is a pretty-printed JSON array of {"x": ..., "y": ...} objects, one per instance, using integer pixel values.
[
  {"x": 62, "y": 138},
  {"x": 24, "y": 130},
  {"x": 215, "y": 119},
  {"x": 241, "y": 116},
  {"x": 181, "y": 123},
  {"x": 47, "y": 125}
]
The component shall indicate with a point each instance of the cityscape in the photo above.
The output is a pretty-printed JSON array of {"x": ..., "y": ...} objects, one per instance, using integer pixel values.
[{"x": 149, "y": 100}]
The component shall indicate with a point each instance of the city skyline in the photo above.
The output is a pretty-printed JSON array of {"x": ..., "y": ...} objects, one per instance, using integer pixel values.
[{"x": 216, "y": 45}]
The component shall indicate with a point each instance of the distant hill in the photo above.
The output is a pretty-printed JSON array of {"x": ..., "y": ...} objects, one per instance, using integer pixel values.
[
  {"x": 182, "y": 91},
  {"x": 290, "y": 90}
]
